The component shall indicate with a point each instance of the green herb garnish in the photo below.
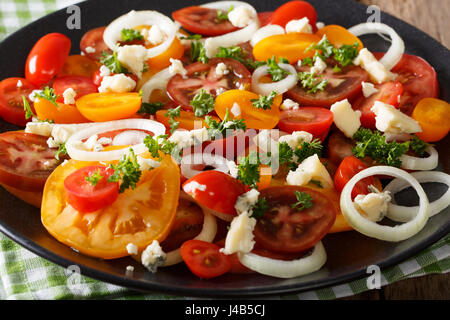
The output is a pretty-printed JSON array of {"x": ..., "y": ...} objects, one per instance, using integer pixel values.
[
  {"x": 264, "y": 102},
  {"x": 127, "y": 171},
  {"x": 304, "y": 201},
  {"x": 202, "y": 103},
  {"x": 129, "y": 35}
]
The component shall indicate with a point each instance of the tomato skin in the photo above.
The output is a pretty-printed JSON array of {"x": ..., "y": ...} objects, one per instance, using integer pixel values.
[
  {"x": 346, "y": 170},
  {"x": 47, "y": 58},
  {"x": 294, "y": 10},
  {"x": 82, "y": 86},
  {"x": 63, "y": 113},
  {"x": 85, "y": 197},
  {"x": 433, "y": 116},
  {"x": 316, "y": 121},
  {"x": 78, "y": 65},
  {"x": 204, "y": 259},
  {"x": 264, "y": 18},
  {"x": 339, "y": 147},
  {"x": 11, "y": 104},
  {"x": 94, "y": 39}
]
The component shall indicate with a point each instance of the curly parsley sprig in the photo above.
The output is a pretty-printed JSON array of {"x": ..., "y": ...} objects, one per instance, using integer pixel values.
[
  {"x": 127, "y": 171},
  {"x": 48, "y": 94},
  {"x": 202, "y": 103},
  {"x": 216, "y": 129},
  {"x": 264, "y": 102}
]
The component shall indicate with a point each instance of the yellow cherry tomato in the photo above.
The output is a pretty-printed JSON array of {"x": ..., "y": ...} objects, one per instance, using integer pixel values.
[
  {"x": 187, "y": 120},
  {"x": 339, "y": 36},
  {"x": 63, "y": 113},
  {"x": 433, "y": 116},
  {"x": 175, "y": 51}
]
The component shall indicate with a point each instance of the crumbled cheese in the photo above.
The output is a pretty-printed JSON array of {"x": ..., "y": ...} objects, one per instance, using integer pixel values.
[
  {"x": 310, "y": 169},
  {"x": 368, "y": 89},
  {"x": 69, "y": 96},
  {"x": 345, "y": 118},
  {"x": 104, "y": 71},
  {"x": 176, "y": 67},
  {"x": 376, "y": 69},
  {"x": 130, "y": 268},
  {"x": 132, "y": 249},
  {"x": 40, "y": 128},
  {"x": 147, "y": 164},
  {"x": 373, "y": 205},
  {"x": 320, "y": 25},
  {"x": 117, "y": 83},
  {"x": 240, "y": 235},
  {"x": 319, "y": 66},
  {"x": 89, "y": 50},
  {"x": 133, "y": 57},
  {"x": 236, "y": 110},
  {"x": 289, "y": 104},
  {"x": 32, "y": 95},
  {"x": 301, "y": 25},
  {"x": 296, "y": 138},
  {"x": 264, "y": 140},
  {"x": 155, "y": 35},
  {"x": 185, "y": 139},
  {"x": 19, "y": 84},
  {"x": 64, "y": 163},
  {"x": 221, "y": 69},
  {"x": 193, "y": 186},
  {"x": 153, "y": 256},
  {"x": 52, "y": 144},
  {"x": 245, "y": 202},
  {"x": 391, "y": 120},
  {"x": 240, "y": 16},
  {"x": 232, "y": 167}
]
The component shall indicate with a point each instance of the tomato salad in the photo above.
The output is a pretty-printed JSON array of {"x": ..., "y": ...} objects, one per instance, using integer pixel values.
[{"x": 224, "y": 138}]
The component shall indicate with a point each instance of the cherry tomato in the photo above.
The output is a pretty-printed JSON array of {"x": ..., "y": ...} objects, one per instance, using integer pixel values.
[
  {"x": 94, "y": 39},
  {"x": 232, "y": 145},
  {"x": 294, "y": 10},
  {"x": 63, "y": 113},
  {"x": 85, "y": 196},
  {"x": 82, "y": 86},
  {"x": 11, "y": 103},
  {"x": 25, "y": 160},
  {"x": 283, "y": 228},
  {"x": 343, "y": 85},
  {"x": 264, "y": 18},
  {"x": 78, "y": 65},
  {"x": 202, "y": 21},
  {"x": 97, "y": 78},
  {"x": 187, "y": 120},
  {"x": 346, "y": 170},
  {"x": 47, "y": 58},
  {"x": 388, "y": 92},
  {"x": 203, "y": 76},
  {"x": 204, "y": 259},
  {"x": 339, "y": 36},
  {"x": 433, "y": 116},
  {"x": 316, "y": 121}
]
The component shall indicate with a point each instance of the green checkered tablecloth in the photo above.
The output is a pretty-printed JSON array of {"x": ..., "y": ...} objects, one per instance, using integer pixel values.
[{"x": 24, "y": 275}]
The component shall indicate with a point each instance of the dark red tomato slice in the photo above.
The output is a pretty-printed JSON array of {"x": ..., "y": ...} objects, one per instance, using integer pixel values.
[
  {"x": 342, "y": 85},
  {"x": 97, "y": 78},
  {"x": 339, "y": 147},
  {"x": 283, "y": 228},
  {"x": 316, "y": 121},
  {"x": 294, "y": 10},
  {"x": 11, "y": 103},
  {"x": 25, "y": 160},
  {"x": 202, "y": 21},
  {"x": 85, "y": 196},
  {"x": 203, "y": 76},
  {"x": 418, "y": 78},
  {"x": 81, "y": 85},
  {"x": 204, "y": 259},
  {"x": 265, "y": 17},
  {"x": 94, "y": 39},
  {"x": 346, "y": 170},
  {"x": 47, "y": 58},
  {"x": 389, "y": 93},
  {"x": 232, "y": 146}
]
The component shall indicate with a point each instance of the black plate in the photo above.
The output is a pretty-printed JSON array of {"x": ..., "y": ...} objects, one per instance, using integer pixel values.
[{"x": 349, "y": 253}]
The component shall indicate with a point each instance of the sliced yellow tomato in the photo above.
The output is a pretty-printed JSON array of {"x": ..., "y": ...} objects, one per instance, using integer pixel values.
[
  {"x": 31, "y": 197},
  {"x": 175, "y": 51},
  {"x": 78, "y": 65},
  {"x": 64, "y": 113},
  {"x": 433, "y": 116},
  {"x": 138, "y": 216},
  {"x": 108, "y": 106},
  {"x": 254, "y": 118},
  {"x": 339, "y": 36},
  {"x": 291, "y": 46},
  {"x": 187, "y": 120}
]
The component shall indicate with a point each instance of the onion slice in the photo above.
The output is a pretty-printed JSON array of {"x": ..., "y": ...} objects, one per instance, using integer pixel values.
[
  {"x": 279, "y": 87},
  {"x": 416, "y": 163},
  {"x": 266, "y": 31},
  {"x": 372, "y": 229},
  {"x": 397, "y": 48},
  {"x": 190, "y": 160},
  {"x": 402, "y": 213},
  {"x": 285, "y": 269},
  {"x": 157, "y": 82},
  {"x": 77, "y": 153}
]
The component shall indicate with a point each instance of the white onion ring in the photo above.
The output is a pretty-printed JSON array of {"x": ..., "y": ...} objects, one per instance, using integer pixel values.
[
  {"x": 372, "y": 229},
  {"x": 397, "y": 48},
  {"x": 129, "y": 137},
  {"x": 416, "y": 163},
  {"x": 133, "y": 19},
  {"x": 279, "y": 87},
  {"x": 285, "y": 269},
  {"x": 157, "y": 82},
  {"x": 402, "y": 213},
  {"x": 266, "y": 31},
  {"x": 72, "y": 144},
  {"x": 233, "y": 38},
  {"x": 214, "y": 160}
]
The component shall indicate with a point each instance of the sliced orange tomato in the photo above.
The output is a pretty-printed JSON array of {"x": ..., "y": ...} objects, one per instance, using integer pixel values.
[
  {"x": 108, "y": 106},
  {"x": 265, "y": 177},
  {"x": 138, "y": 216},
  {"x": 31, "y": 197},
  {"x": 64, "y": 113},
  {"x": 339, "y": 36},
  {"x": 78, "y": 65},
  {"x": 291, "y": 46},
  {"x": 175, "y": 51},
  {"x": 254, "y": 118},
  {"x": 433, "y": 116},
  {"x": 187, "y": 120}
]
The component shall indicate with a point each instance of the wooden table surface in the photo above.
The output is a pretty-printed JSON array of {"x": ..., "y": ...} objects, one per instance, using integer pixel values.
[{"x": 432, "y": 17}]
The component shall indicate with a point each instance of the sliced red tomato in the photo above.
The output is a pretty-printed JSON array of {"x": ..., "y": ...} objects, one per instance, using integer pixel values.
[
  {"x": 11, "y": 103},
  {"x": 283, "y": 228},
  {"x": 418, "y": 78},
  {"x": 203, "y": 21},
  {"x": 346, "y": 170},
  {"x": 265, "y": 17},
  {"x": 25, "y": 160},
  {"x": 94, "y": 39},
  {"x": 86, "y": 196},
  {"x": 78, "y": 65},
  {"x": 204, "y": 259},
  {"x": 294, "y": 10},
  {"x": 342, "y": 85},
  {"x": 81, "y": 85},
  {"x": 316, "y": 121},
  {"x": 203, "y": 76},
  {"x": 339, "y": 147},
  {"x": 388, "y": 92},
  {"x": 47, "y": 58}
]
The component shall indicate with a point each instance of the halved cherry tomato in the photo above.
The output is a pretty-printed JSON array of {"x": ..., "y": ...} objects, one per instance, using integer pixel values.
[
  {"x": 343, "y": 85},
  {"x": 255, "y": 118},
  {"x": 78, "y": 65},
  {"x": 316, "y": 121},
  {"x": 47, "y": 58},
  {"x": 85, "y": 196},
  {"x": 187, "y": 120},
  {"x": 388, "y": 92},
  {"x": 264, "y": 18},
  {"x": 204, "y": 259},
  {"x": 232, "y": 145},
  {"x": 63, "y": 113},
  {"x": 11, "y": 103},
  {"x": 294, "y": 10},
  {"x": 219, "y": 193},
  {"x": 433, "y": 116},
  {"x": 346, "y": 170},
  {"x": 203, "y": 76},
  {"x": 159, "y": 62},
  {"x": 82, "y": 86},
  {"x": 283, "y": 228},
  {"x": 138, "y": 216},
  {"x": 291, "y": 46},
  {"x": 203, "y": 21},
  {"x": 339, "y": 36},
  {"x": 94, "y": 39},
  {"x": 25, "y": 160},
  {"x": 109, "y": 106}
]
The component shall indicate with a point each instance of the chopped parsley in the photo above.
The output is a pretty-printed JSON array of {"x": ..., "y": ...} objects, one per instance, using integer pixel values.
[
  {"x": 286, "y": 154},
  {"x": 248, "y": 169},
  {"x": 111, "y": 61},
  {"x": 94, "y": 177},
  {"x": 47, "y": 94},
  {"x": 61, "y": 151},
  {"x": 192, "y": 37},
  {"x": 304, "y": 201},
  {"x": 150, "y": 107},
  {"x": 264, "y": 102},
  {"x": 276, "y": 72},
  {"x": 127, "y": 171},
  {"x": 346, "y": 53},
  {"x": 307, "y": 62},
  {"x": 129, "y": 35},
  {"x": 160, "y": 144},
  {"x": 417, "y": 145},
  {"x": 198, "y": 52},
  {"x": 202, "y": 103},
  {"x": 260, "y": 208},
  {"x": 311, "y": 83},
  {"x": 172, "y": 114},
  {"x": 216, "y": 129},
  {"x": 28, "y": 111},
  {"x": 324, "y": 49},
  {"x": 221, "y": 16},
  {"x": 317, "y": 183},
  {"x": 308, "y": 149}
]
